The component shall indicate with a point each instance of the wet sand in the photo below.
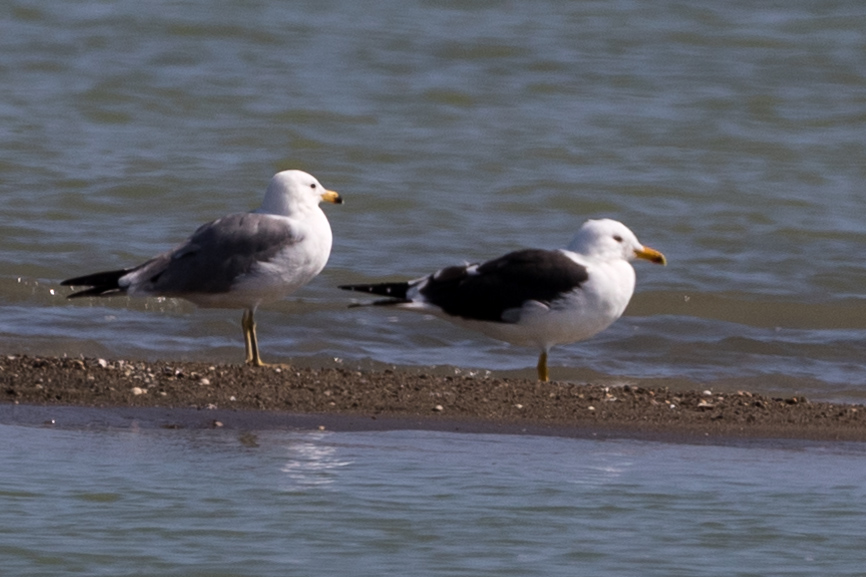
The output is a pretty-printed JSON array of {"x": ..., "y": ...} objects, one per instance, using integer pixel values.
[{"x": 184, "y": 394}]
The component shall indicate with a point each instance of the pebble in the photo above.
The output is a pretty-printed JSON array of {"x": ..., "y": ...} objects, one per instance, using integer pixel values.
[
  {"x": 438, "y": 408},
  {"x": 138, "y": 391}
]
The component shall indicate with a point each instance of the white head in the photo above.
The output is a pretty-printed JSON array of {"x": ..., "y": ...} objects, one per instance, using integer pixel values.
[
  {"x": 294, "y": 191},
  {"x": 609, "y": 240}
]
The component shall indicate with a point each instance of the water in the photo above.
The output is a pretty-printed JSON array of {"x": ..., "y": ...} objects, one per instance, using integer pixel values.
[
  {"x": 729, "y": 136},
  {"x": 139, "y": 500}
]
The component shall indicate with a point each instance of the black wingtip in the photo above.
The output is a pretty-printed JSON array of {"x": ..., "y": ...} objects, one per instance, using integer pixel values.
[
  {"x": 395, "y": 290},
  {"x": 381, "y": 303},
  {"x": 100, "y": 283},
  {"x": 363, "y": 288},
  {"x": 95, "y": 292}
]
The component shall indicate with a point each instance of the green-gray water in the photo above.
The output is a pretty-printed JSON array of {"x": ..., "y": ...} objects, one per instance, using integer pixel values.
[
  {"x": 729, "y": 135},
  {"x": 126, "y": 498}
]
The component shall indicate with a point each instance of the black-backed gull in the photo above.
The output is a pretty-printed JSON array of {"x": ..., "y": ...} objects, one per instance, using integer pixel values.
[{"x": 533, "y": 297}]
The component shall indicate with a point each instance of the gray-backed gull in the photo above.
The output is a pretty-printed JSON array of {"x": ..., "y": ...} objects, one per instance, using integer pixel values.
[{"x": 238, "y": 261}]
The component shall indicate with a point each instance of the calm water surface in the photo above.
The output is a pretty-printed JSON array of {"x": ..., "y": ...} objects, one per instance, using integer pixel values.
[
  {"x": 144, "y": 501},
  {"x": 731, "y": 136}
]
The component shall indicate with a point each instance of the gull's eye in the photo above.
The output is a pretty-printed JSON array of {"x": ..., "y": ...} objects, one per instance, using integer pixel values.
[
  {"x": 313, "y": 185},
  {"x": 617, "y": 238}
]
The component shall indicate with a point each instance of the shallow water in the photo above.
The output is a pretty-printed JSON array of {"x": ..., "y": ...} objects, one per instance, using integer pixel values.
[
  {"x": 138, "y": 500},
  {"x": 728, "y": 136}
]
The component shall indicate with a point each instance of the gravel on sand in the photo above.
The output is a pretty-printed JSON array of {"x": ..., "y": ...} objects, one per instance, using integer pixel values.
[{"x": 345, "y": 398}]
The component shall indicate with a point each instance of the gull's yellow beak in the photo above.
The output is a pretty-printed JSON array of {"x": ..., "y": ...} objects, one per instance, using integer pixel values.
[
  {"x": 332, "y": 197},
  {"x": 651, "y": 255}
]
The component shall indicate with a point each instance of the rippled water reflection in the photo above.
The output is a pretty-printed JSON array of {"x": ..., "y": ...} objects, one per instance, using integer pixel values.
[{"x": 140, "y": 500}]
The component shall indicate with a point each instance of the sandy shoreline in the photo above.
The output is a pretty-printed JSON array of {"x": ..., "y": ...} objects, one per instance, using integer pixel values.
[{"x": 201, "y": 394}]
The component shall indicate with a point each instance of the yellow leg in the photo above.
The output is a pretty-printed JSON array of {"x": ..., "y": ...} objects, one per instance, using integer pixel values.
[
  {"x": 542, "y": 367},
  {"x": 251, "y": 344}
]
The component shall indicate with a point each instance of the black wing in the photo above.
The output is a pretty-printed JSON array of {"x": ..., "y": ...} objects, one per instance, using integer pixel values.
[{"x": 503, "y": 283}]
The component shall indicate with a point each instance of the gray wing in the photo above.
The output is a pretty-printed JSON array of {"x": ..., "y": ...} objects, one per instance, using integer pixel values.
[{"x": 215, "y": 255}]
